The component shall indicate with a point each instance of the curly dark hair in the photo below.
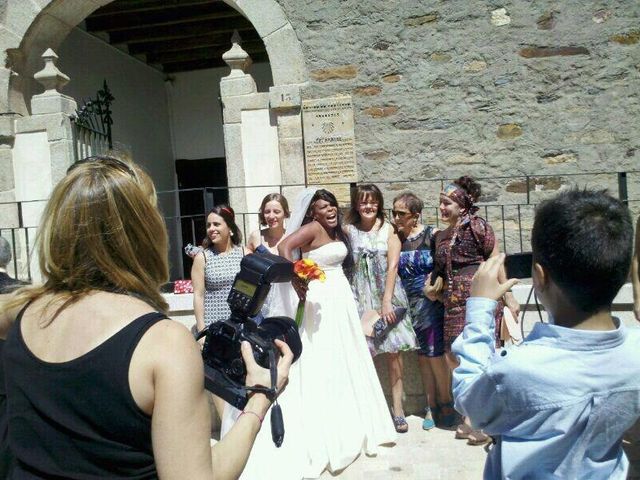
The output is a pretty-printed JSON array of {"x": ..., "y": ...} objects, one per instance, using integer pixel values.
[
  {"x": 469, "y": 185},
  {"x": 348, "y": 264}
]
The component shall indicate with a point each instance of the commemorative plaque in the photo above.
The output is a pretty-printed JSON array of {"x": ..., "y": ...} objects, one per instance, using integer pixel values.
[{"x": 329, "y": 144}]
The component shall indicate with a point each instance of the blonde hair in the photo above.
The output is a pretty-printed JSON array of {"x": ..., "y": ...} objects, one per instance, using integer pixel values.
[
  {"x": 100, "y": 231},
  {"x": 120, "y": 153}
]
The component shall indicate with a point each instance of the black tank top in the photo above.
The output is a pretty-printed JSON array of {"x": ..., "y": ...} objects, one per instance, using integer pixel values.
[{"x": 78, "y": 419}]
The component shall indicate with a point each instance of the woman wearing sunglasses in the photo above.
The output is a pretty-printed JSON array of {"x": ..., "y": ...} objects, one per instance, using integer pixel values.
[{"x": 415, "y": 264}]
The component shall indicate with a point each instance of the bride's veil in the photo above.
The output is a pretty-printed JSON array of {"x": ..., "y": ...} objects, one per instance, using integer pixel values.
[
  {"x": 284, "y": 299},
  {"x": 299, "y": 211}
]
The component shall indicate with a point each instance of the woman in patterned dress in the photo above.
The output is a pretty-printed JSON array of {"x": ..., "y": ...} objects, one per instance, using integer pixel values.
[
  {"x": 460, "y": 248},
  {"x": 213, "y": 271},
  {"x": 416, "y": 263},
  {"x": 376, "y": 286}
]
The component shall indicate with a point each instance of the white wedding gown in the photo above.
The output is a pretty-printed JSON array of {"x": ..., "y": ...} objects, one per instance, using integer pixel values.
[{"x": 333, "y": 407}]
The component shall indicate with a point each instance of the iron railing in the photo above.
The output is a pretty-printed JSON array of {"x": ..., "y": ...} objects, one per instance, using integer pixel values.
[
  {"x": 511, "y": 216},
  {"x": 92, "y": 125},
  {"x": 509, "y": 209}
]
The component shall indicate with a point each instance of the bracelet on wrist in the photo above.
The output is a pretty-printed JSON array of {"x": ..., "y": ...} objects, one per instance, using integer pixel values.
[{"x": 260, "y": 419}]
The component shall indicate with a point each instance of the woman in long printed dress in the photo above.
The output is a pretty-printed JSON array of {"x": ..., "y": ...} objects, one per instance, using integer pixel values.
[
  {"x": 460, "y": 248},
  {"x": 376, "y": 286},
  {"x": 213, "y": 271},
  {"x": 416, "y": 263}
]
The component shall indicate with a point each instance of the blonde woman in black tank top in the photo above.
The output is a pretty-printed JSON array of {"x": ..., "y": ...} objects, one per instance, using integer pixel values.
[{"x": 95, "y": 370}]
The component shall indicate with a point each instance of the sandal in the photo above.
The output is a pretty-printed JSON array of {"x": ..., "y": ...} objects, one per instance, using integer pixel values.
[
  {"x": 478, "y": 437},
  {"x": 401, "y": 424},
  {"x": 428, "y": 423},
  {"x": 463, "y": 431}
]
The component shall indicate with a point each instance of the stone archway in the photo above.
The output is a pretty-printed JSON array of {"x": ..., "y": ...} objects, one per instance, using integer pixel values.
[
  {"x": 284, "y": 49},
  {"x": 32, "y": 27}
]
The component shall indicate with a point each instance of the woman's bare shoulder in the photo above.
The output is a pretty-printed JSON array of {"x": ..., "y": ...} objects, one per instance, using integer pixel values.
[
  {"x": 254, "y": 238},
  {"x": 168, "y": 341}
]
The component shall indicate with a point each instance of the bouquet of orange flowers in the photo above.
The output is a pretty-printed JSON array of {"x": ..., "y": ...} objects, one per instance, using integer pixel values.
[{"x": 306, "y": 270}]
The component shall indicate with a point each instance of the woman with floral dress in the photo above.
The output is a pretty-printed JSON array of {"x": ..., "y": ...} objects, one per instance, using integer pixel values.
[
  {"x": 467, "y": 241},
  {"x": 376, "y": 286}
]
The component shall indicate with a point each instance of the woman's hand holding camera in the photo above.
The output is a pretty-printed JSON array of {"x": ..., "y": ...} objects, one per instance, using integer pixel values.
[{"x": 257, "y": 375}]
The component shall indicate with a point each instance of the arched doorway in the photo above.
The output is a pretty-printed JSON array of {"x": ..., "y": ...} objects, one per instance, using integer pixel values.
[{"x": 31, "y": 29}]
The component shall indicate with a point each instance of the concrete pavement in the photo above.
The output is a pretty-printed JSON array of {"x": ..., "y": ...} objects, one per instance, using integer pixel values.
[{"x": 419, "y": 454}]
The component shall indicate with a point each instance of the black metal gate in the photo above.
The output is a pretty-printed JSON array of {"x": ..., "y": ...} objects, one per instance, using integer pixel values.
[{"x": 92, "y": 125}]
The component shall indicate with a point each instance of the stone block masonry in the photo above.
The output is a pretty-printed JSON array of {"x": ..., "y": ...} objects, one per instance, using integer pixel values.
[{"x": 442, "y": 89}]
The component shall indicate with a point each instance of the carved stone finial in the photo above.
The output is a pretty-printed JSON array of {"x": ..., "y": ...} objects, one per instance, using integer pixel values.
[
  {"x": 236, "y": 57},
  {"x": 50, "y": 77}
]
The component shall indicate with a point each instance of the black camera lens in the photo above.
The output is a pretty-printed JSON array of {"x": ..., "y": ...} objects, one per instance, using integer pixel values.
[
  {"x": 236, "y": 367},
  {"x": 285, "y": 329}
]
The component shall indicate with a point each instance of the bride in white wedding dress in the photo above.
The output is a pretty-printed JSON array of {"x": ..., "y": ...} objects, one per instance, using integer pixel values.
[{"x": 334, "y": 408}]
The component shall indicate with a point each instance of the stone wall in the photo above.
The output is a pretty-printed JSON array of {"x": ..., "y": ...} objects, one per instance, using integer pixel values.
[{"x": 489, "y": 89}]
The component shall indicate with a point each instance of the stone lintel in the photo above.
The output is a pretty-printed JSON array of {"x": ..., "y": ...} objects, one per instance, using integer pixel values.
[
  {"x": 285, "y": 97},
  {"x": 233, "y": 106}
]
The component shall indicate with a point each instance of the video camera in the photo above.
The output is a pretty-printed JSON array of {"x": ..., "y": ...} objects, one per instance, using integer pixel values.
[{"x": 224, "y": 368}]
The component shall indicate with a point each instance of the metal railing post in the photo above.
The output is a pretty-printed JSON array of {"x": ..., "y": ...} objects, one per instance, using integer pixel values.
[{"x": 623, "y": 193}]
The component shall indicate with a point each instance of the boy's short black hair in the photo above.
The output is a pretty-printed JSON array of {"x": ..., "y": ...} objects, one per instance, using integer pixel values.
[{"x": 584, "y": 240}]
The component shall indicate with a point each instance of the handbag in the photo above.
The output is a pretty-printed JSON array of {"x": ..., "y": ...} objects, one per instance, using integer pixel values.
[{"x": 376, "y": 327}]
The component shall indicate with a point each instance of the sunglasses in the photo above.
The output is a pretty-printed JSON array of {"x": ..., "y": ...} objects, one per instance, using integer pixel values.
[
  {"x": 399, "y": 213},
  {"x": 105, "y": 160}
]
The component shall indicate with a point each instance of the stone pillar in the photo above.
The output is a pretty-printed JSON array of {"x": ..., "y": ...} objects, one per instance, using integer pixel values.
[
  {"x": 235, "y": 89},
  {"x": 43, "y": 148},
  {"x": 251, "y": 138},
  {"x": 52, "y": 112},
  {"x": 285, "y": 102}
]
